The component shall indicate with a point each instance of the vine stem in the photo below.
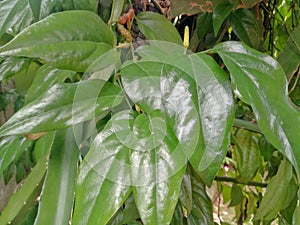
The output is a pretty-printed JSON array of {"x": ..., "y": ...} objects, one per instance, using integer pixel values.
[
  {"x": 246, "y": 125},
  {"x": 234, "y": 180}
]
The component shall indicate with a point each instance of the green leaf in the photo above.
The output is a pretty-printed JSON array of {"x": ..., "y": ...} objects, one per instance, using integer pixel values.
[
  {"x": 151, "y": 24},
  {"x": 23, "y": 201},
  {"x": 132, "y": 150},
  {"x": 220, "y": 13},
  {"x": 64, "y": 105},
  {"x": 68, "y": 40},
  {"x": 116, "y": 11},
  {"x": 41, "y": 8},
  {"x": 204, "y": 24},
  {"x": 11, "y": 66},
  {"x": 58, "y": 189},
  {"x": 90, "y": 5},
  {"x": 104, "y": 66},
  {"x": 288, "y": 212},
  {"x": 236, "y": 195},
  {"x": 11, "y": 148},
  {"x": 247, "y": 154},
  {"x": 280, "y": 192},
  {"x": 14, "y": 14},
  {"x": 296, "y": 216},
  {"x": 185, "y": 87},
  {"x": 23, "y": 79},
  {"x": 43, "y": 145},
  {"x": 7, "y": 97},
  {"x": 185, "y": 196},
  {"x": 202, "y": 212},
  {"x": 178, "y": 218},
  {"x": 101, "y": 176},
  {"x": 127, "y": 214},
  {"x": 45, "y": 78},
  {"x": 247, "y": 28},
  {"x": 266, "y": 148},
  {"x": 289, "y": 58},
  {"x": 259, "y": 80}
]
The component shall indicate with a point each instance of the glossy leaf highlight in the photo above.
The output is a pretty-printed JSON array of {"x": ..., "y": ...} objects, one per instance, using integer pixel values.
[
  {"x": 67, "y": 40},
  {"x": 64, "y": 105},
  {"x": 190, "y": 89},
  {"x": 260, "y": 81}
]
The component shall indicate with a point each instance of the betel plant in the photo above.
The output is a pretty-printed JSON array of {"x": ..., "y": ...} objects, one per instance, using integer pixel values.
[{"x": 133, "y": 133}]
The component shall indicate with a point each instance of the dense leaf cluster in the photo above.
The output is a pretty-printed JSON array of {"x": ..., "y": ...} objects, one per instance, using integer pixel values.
[{"x": 112, "y": 131}]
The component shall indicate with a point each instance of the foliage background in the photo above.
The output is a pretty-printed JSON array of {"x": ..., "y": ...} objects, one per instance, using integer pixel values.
[{"x": 35, "y": 56}]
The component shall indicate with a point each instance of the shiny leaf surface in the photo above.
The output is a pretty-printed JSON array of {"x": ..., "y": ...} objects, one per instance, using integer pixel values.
[
  {"x": 184, "y": 87},
  {"x": 45, "y": 78},
  {"x": 21, "y": 203},
  {"x": 58, "y": 189},
  {"x": 259, "y": 80},
  {"x": 66, "y": 40},
  {"x": 101, "y": 177},
  {"x": 15, "y": 14},
  {"x": 159, "y": 171},
  {"x": 11, "y": 66},
  {"x": 11, "y": 148},
  {"x": 280, "y": 192},
  {"x": 64, "y": 105},
  {"x": 132, "y": 150},
  {"x": 151, "y": 24}
]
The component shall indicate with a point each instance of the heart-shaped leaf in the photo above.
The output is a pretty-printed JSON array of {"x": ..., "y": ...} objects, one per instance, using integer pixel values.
[{"x": 190, "y": 89}]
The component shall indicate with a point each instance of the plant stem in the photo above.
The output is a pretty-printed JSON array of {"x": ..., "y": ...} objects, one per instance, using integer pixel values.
[
  {"x": 234, "y": 180},
  {"x": 246, "y": 125}
]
